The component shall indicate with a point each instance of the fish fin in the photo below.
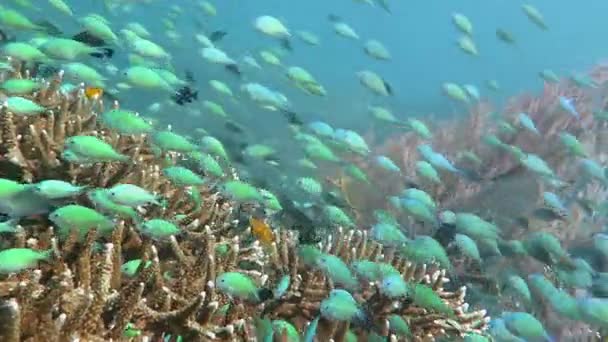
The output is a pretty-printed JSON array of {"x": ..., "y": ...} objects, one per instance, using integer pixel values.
[{"x": 265, "y": 294}]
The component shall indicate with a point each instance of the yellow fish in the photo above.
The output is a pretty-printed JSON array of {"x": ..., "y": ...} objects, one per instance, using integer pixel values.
[
  {"x": 93, "y": 93},
  {"x": 261, "y": 230}
]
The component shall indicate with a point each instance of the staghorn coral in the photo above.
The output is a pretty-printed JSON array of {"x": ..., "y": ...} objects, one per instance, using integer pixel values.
[
  {"x": 301, "y": 302},
  {"x": 81, "y": 293}
]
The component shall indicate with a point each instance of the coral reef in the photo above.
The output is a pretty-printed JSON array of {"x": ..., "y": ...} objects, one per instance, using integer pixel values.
[{"x": 82, "y": 293}]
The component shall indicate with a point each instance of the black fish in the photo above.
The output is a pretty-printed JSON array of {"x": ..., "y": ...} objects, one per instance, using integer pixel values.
[
  {"x": 445, "y": 234},
  {"x": 292, "y": 117},
  {"x": 185, "y": 95},
  {"x": 90, "y": 40},
  {"x": 218, "y": 35},
  {"x": 233, "y": 68},
  {"x": 388, "y": 87},
  {"x": 286, "y": 44},
  {"x": 334, "y": 18},
  {"x": 49, "y": 27},
  {"x": 505, "y": 36},
  {"x": 234, "y": 127},
  {"x": 4, "y": 38}
]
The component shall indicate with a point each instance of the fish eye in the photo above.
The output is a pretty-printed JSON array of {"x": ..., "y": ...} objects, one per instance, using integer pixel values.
[{"x": 222, "y": 280}]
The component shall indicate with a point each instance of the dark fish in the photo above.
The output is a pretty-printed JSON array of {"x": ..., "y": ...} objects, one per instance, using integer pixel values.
[
  {"x": 218, "y": 35},
  {"x": 234, "y": 127},
  {"x": 384, "y": 5},
  {"x": 505, "y": 36},
  {"x": 471, "y": 175},
  {"x": 49, "y": 27},
  {"x": 292, "y": 216},
  {"x": 286, "y": 44},
  {"x": 185, "y": 95},
  {"x": 111, "y": 98},
  {"x": 523, "y": 222},
  {"x": 292, "y": 117},
  {"x": 45, "y": 70},
  {"x": 334, "y": 198},
  {"x": 90, "y": 40},
  {"x": 388, "y": 87},
  {"x": 4, "y": 38},
  {"x": 546, "y": 215},
  {"x": 189, "y": 76},
  {"x": 334, "y": 18},
  {"x": 233, "y": 68}
]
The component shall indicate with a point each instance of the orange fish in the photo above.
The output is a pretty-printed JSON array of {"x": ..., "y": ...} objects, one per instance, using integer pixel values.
[
  {"x": 261, "y": 230},
  {"x": 93, "y": 92}
]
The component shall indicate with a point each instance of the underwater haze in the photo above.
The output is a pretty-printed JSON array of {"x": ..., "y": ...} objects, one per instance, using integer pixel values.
[{"x": 267, "y": 170}]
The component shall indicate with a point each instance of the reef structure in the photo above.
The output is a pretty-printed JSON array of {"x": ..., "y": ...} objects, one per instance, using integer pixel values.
[{"x": 81, "y": 292}]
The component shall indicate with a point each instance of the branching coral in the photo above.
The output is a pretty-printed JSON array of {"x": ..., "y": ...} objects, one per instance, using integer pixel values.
[
  {"x": 83, "y": 293},
  {"x": 301, "y": 302}
]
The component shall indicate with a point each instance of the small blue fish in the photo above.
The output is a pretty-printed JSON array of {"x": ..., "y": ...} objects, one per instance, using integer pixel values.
[
  {"x": 311, "y": 330},
  {"x": 387, "y": 164},
  {"x": 131, "y": 195},
  {"x": 393, "y": 286},
  {"x": 56, "y": 189},
  {"x": 334, "y": 268},
  {"x": 568, "y": 105},
  {"x": 437, "y": 159},
  {"x": 341, "y": 306},
  {"x": 321, "y": 129},
  {"x": 282, "y": 286},
  {"x": 526, "y": 122}
]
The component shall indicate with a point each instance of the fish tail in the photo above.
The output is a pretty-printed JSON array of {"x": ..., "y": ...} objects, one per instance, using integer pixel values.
[
  {"x": 48, "y": 254},
  {"x": 123, "y": 158}
]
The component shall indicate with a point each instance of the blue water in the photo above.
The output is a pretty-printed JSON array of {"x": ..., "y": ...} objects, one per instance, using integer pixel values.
[{"x": 419, "y": 35}]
